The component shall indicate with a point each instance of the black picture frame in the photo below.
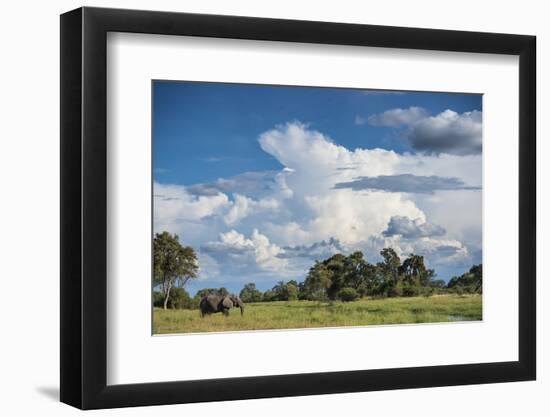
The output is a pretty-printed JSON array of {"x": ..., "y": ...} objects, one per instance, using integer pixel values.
[{"x": 84, "y": 207}]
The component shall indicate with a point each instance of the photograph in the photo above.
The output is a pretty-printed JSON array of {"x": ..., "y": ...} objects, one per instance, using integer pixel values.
[
  {"x": 264, "y": 208},
  {"x": 291, "y": 207}
]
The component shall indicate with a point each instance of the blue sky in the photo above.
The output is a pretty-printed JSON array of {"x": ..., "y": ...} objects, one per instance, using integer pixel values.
[
  {"x": 257, "y": 176},
  {"x": 198, "y": 123}
]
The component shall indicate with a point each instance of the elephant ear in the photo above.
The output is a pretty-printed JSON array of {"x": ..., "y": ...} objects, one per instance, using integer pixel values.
[{"x": 227, "y": 303}]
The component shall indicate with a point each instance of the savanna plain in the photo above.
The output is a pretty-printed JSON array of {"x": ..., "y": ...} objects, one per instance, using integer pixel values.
[{"x": 315, "y": 314}]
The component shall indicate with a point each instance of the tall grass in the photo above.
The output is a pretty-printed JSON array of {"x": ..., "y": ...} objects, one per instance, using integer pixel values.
[{"x": 309, "y": 314}]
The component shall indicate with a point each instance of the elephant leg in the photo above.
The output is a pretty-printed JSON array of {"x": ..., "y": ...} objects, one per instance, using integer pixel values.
[{"x": 225, "y": 312}]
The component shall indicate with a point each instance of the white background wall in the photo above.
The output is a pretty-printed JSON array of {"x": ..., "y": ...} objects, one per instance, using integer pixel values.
[{"x": 29, "y": 219}]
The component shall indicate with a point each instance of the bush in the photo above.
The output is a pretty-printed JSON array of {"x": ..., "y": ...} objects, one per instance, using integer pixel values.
[
  {"x": 179, "y": 298},
  {"x": 269, "y": 296},
  {"x": 394, "y": 290},
  {"x": 250, "y": 294},
  {"x": 428, "y": 291},
  {"x": 158, "y": 299},
  {"x": 348, "y": 294},
  {"x": 411, "y": 290},
  {"x": 458, "y": 290},
  {"x": 472, "y": 289},
  {"x": 291, "y": 292}
]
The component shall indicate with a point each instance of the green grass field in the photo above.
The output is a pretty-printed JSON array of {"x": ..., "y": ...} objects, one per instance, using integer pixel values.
[{"x": 311, "y": 314}]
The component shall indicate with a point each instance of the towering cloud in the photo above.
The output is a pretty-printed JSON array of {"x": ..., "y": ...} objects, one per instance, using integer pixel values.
[{"x": 326, "y": 199}]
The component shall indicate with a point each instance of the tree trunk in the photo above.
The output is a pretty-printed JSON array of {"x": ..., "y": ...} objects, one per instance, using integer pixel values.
[{"x": 167, "y": 294}]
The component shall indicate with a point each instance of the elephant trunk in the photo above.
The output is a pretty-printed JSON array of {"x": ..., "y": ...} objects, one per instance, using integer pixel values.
[{"x": 242, "y": 310}]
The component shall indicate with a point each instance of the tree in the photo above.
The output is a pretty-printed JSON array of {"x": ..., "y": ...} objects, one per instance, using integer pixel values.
[
  {"x": 173, "y": 264},
  {"x": 302, "y": 291},
  {"x": 471, "y": 281},
  {"x": 359, "y": 274},
  {"x": 179, "y": 298},
  {"x": 291, "y": 292},
  {"x": 336, "y": 266},
  {"x": 415, "y": 275},
  {"x": 390, "y": 265},
  {"x": 158, "y": 299},
  {"x": 284, "y": 292},
  {"x": 269, "y": 296},
  {"x": 326, "y": 278},
  {"x": 279, "y": 291},
  {"x": 317, "y": 281},
  {"x": 293, "y": 282},
  {"x": 477, "y": 277},
  {"x": 411, "y": 269},
  {"x": 370, "y": 282},
  {"x": 348, "y": 294},
  {"x": 250, "y": 294},
  {"x": 437, "y": 283}
]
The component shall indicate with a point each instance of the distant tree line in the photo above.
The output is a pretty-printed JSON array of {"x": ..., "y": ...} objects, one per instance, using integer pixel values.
[
  {"x": 180, "y": 298},
  {"x": 339, "y": 277},
  {"x": 352, "y": 277},
  {"x": 348, "y": 278},
  {"x": 470, "y": 282}
]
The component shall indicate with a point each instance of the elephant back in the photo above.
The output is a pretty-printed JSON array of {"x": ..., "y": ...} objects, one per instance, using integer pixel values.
[{"x": 226, "y": 303}]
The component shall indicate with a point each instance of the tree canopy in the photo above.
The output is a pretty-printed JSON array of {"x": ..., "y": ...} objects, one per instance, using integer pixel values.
[
  {"x": 471, "y": 281},
  {"x": 250, "y": 294},
  {"x": 390, "y": 277},
  {"x": 338, "y": 277},
  {"x": 173, "y": 264}
]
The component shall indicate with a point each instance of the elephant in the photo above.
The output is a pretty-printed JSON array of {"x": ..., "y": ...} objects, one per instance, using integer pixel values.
[{"x": 212, "y": 303}]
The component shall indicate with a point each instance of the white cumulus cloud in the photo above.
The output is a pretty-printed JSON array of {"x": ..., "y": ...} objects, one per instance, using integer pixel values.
[
  {"x": 398, "y": 117},
  {"x": 268, "y": 225},
  {"x": 256, "y": 249},
  {"x": 175, "y": 201},
  {"x": 447, "y": 132},
  {"x": 243, "y": 206}
]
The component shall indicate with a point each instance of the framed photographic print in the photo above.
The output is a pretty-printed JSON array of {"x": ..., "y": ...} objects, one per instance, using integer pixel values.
[{"x": 300, "y": 207}]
